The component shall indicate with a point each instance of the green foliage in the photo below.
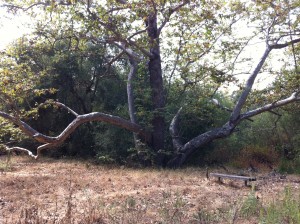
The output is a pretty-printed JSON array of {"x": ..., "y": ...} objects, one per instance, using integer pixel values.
[
  {"x": 250, "y": 206},
  {"x": 105, "y": 158},
  {"x": 112, "y": 144},
  {"x": 285, "y": 211},
  {"x": 73, "y": 73},
  {"x": 67, "y": 58},
  {"x": 7, "y": 164},
  {"x": 290, "y": 166},
  {"x": 141, "y": 155},
  {"x": 9, "y": 133},
  {"x": 142, "y": 97},
  {"x": 18, "y": 82},
  {"x": 267, "y": 139}
]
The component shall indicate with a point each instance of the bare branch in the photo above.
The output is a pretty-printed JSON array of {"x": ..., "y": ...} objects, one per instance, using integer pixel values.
[
  {"x": 294, "y": 97},
  {"x": 238, "y": 107},
  {"x": 24, "y": 127},
  {"x": 237, "y": 110},
  {"x": 115, "y": 59},
  {"x": 131, "y": 75},
  {"x": 128, "y": 51},
  {"x": 170, "y": 12},
  {"x": 180, "y": 45},
  {"x": 218, "y": 104},
  {"x": 145, "y": 52},
  {"x": 136, "y": 33},
  {"x": 10, "y": 6},
  {"x": 240, "y": 51},
  {"x": 67, "y": 108},
  {"x": 273, "y": 112},
  {"x": 280, "y": 46},
  {"x": 79, "y": 120},
  {"x": 46, "y": 3},
  {"x": 61, "y": 105},
  {"x": 116, "y": 9},
  {"x": 118, "y": 37},
  {"x": 122, "y": 1},
  {"x": 20, "y": 149}
]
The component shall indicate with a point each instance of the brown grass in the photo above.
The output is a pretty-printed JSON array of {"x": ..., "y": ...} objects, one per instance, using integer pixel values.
[{"x": 64, "y": 191}]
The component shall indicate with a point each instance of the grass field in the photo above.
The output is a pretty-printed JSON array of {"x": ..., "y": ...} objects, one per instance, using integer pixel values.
[{"x": 69, "y": 191}]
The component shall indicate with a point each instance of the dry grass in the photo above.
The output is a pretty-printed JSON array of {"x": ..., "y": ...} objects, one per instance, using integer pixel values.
[{"x": 64, "y": 191}]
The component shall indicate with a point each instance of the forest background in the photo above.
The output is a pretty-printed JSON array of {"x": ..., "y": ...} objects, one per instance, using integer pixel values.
[{"x": 177, "y": 74}]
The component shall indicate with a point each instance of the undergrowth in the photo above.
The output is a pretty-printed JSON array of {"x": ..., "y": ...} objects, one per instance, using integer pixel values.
[
  {"x": 286, "y": 210},
  {"x": 168, "y": 207},
  {"x": 172, "y": 209},
  {"x": 5, "y": 165}
]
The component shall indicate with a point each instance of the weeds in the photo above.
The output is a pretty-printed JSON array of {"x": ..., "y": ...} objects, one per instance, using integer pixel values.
[
  {"x": 250, "y": 206},
  {"x": 286, "y": 211},
  {"x": 290, "y": 166},
  {"x": 64, "y": 192},
  {"x": 6, "y": 166},
  {"x": 171, "y": 208},
  {"x": 204, "y": 217}
]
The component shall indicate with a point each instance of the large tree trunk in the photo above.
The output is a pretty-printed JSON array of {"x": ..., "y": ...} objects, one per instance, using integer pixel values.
[{"x": 156, "y": 83}]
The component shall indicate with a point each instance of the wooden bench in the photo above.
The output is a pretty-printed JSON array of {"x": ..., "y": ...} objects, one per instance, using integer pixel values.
[{"x": 236, "y": 177}]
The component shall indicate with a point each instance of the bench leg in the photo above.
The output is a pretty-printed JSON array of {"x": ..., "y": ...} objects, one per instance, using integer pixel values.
[
  {"x": 246, "y": 184},
  {"x": 219, "y": 179}
]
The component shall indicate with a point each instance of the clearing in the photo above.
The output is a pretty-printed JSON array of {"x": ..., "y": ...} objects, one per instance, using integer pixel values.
[{"x": 69, "y": 191}]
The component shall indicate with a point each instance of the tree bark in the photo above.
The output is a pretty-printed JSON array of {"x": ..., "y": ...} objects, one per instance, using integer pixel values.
[
  {"x": 156, "y": 84},
  {"x": 248, "y": 87},
  {"x": 130, "y": 96},
  {"x": 183, "y": 151},
  {"x": 50, "y": 141}
]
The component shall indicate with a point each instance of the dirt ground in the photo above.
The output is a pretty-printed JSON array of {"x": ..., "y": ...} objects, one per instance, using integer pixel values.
[{"x": 56, "y": 188}]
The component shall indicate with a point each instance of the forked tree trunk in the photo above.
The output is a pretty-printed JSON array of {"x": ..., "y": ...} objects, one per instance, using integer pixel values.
[{"x": 183, "y": 151}]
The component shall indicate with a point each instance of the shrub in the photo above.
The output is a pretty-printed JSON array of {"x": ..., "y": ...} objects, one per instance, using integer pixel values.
[
  {"x": 256, "y": 156},
  {"x": 290, "y": 166}
]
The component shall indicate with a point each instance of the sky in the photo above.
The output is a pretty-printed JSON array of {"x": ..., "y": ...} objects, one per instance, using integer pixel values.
[{"x": 11, "y": 27}]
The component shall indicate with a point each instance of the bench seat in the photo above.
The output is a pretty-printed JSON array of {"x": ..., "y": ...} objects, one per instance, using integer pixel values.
[{"x": 236, "y": 177}]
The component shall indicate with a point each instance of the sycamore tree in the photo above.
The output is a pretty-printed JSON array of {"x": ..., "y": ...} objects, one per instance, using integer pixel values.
[{"x": 190, "y": 42}]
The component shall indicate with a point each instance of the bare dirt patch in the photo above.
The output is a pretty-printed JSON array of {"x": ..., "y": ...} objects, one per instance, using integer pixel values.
[{"x": 60, "y": 189}]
